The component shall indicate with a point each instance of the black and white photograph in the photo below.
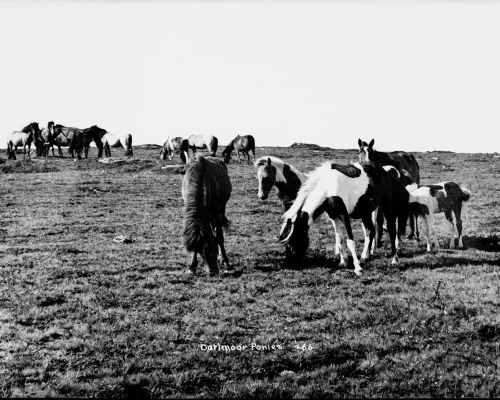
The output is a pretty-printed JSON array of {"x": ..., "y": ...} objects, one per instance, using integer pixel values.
[{"x": 283, "y": 198}]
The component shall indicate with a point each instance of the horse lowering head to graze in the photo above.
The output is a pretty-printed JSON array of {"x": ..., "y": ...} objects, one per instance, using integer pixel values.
[
  {"x": 195, "y": 142},
  {"x": 243, "y": 144},
  {"x": 110, "y": 139},
  {"x": 171, "y": 146},
  {"x": 343, "y": 192},
  {"x": 444, "y": 197},
  {"x": 206, "y": 188},
  {"x": 398, "y": 159},
  {"x": 272, "y": 171},
  {"x": 23, "y": 138}
]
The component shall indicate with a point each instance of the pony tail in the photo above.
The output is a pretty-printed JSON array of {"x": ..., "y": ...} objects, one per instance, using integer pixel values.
[
  {"x": 194, "y": 208},
  {"x": 465, "y": 193}
]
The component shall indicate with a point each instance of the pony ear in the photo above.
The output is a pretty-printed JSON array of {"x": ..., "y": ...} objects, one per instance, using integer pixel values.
[
  {"x": 268, "y": 161},
  {"x": 286, "y": 231},
  {"x": 370, "y": 145},
  {"x": 360, "y": 143}
]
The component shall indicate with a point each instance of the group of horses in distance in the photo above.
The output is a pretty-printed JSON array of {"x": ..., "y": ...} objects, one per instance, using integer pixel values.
[
  {"x": 177, "y": 145},
  {"x": 77, "y": 140},
  {"x": 380, "y": 186}
]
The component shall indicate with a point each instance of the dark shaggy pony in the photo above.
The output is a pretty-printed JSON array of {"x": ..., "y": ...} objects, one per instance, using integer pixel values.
[
  {"x": 206, "y": 188},
  {"x": 404, "y": 162},
  {"x": 243, "y": 144}
]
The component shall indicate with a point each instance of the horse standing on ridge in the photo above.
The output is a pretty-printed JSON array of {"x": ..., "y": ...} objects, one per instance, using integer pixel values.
[
  {"x": 400, "y": 160},
  {"x": 444, "y": 197},
  {"x": 174, "y": 145},
  {"x": 272, "y": 171},
  {"x": 116, "y": 140},
  {"x": 194, "y": 142},
  {"x": 243, "y": 144},
  {"x": 23, "y": 138},
  {"x": 345, "y": 192},
  {"x": 81, "y": 138},
  {"x": 206, "y": 188}
]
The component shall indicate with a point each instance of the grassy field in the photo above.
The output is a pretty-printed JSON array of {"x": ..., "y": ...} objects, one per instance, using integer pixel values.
[{"x": 81, "y": 315}]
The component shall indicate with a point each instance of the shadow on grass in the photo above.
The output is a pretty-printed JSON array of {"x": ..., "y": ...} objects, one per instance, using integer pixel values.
[
  {"x": 489, "y": 243},
  {"x": 442, "y": 260}
]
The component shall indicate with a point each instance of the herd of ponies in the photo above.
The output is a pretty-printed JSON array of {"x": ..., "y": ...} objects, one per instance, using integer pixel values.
[{"x": 381, "y": 186}]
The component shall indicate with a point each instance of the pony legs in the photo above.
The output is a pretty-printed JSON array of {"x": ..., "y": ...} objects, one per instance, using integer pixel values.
[
  {"x": 449, "y": 218},
  {"x": 350, "y": 242},
  {"x": 458, "y": 217},
  {"x": 369, "y": 231},
  {"x": 339, "y": 248}
]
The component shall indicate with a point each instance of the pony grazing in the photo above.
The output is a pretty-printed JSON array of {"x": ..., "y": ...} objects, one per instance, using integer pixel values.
[
  {"x": 194, "y": 142},
  {"x": 444, "y": 197},
  {"x": 23, "y": 138},
  {"x": 399, "y": 160},
  {"x": 272, "y": 171},
  {"x": 174, "y": 145},
  {"x": 116, "y": 140},
  {"x": 345, "y": 192},
  {"x": 206, "y": 188},
  {"x": 243, "y": 144}
]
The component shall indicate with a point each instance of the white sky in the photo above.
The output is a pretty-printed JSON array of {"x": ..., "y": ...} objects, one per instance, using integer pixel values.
[{"x": 413, "y": 75}]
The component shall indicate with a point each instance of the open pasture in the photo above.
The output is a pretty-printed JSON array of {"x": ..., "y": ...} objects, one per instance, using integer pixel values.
[{"x": 81, "y": 315}]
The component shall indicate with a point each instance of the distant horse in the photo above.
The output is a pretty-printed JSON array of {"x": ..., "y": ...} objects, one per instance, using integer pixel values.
[
  {"x": 23, "y": 138},
  {"x": 345, "y": 192},
  {"x": 116, "y": 140},
  {"x": 63, "y": 137},
  {"x": 194, "y": 142},
  {"x": 242, "y": 144},
  {"x": 81, "y": 139},
  {"x": 444, "y": 197},
  {"x": 206, "y": 188},
  {"x": 272, "y": 171},
  {"x": 171, "y": 146},
  {"x": 46, "y": 139},
  {"x": 401, "y": 161}
]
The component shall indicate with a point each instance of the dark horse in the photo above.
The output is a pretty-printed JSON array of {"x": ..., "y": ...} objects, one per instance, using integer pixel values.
[
  {"x": 345, "y": 192},
  {"x": 242, "y": 144},
  {"x": 206, "y": 188},
  {"x": 76, "y": 139},
  {"x": 404, "y": 162}
]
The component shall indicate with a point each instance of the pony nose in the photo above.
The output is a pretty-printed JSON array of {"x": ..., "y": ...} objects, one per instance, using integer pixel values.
[{"x": 262, "y": 196}]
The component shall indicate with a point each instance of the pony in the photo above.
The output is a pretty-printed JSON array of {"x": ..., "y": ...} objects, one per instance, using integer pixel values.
[
  {"x": 23, "y": 138},
  {"x": 76, "y": 139},
  {"x": 206, "y": 188},
  {"x": 46, "y": 139},
  {"x": 272, "y": 171},
  {"x": 171, "y": 146},
  {"x": 345, "y": 192},
  {"x": 446, "y": 197},
  {"x": 116, "y": 140},
  {"x": 242, "y": 144},
  {"x": 194, "y": 142},
  {"x": 399, "y": 160},
  {"x": 81, "y": 138}
]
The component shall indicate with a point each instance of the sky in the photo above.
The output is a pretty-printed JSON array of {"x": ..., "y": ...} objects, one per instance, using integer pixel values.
[{"x": 413, "y": 75}]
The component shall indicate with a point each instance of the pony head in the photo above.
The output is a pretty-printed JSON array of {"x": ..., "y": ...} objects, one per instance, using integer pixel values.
[
  {"x": 266, "y": 174},
  {"x": 226, "y": 154},
  {"x": 295, "y": 235},
  {"x": 365, "y": 150}
]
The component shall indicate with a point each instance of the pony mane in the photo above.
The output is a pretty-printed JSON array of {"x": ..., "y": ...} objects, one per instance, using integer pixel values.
[
  {"x": 306, "y": 189},
  {"x": 279, "y": 163}
]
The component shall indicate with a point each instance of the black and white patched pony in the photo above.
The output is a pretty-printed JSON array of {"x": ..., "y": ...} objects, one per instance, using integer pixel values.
[
  {"x": 444, "y": 197},
  {"x": 272, "y": 171},
  {"x": 242, "y": 144},
  {"x": 194, "y": 142},
  {"x": 206, "y": 188},
  {"x": 401, "y": 161},
  {"x": 174, "y": 145},
  {"x": 345, "y": 192}
]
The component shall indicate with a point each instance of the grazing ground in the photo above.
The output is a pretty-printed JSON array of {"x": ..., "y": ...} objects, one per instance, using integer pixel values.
[{"x": 81, "y": 315}]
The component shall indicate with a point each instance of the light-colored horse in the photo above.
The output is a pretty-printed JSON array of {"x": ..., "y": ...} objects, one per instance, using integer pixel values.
[
  {"x": 171, "y": 146},
  {"x": 22, "y": 138},
  {"x": 208, "y": 142},
  {"x": 117, "y": 140}
]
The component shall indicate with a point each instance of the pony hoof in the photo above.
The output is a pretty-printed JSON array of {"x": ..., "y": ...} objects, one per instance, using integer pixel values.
[
  {"x": 394, "y": 261},
  {"x": 410, "y": 236},
  {"x": 358, "y": 272}
]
